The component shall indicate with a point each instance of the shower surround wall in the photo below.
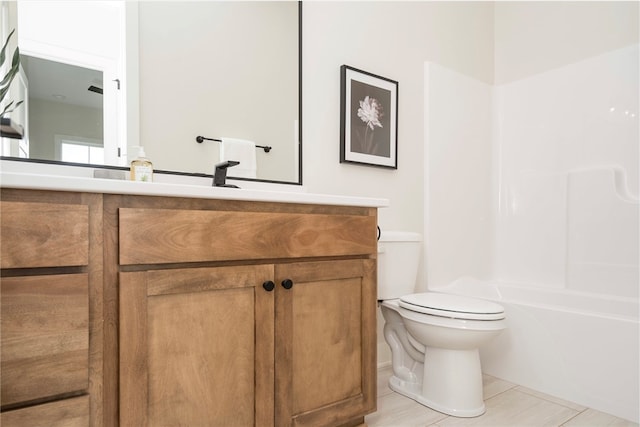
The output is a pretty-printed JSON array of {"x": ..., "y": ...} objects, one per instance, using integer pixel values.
[
  {"x": 541, "y": 194},
  {"x": 567, "y": 156}
]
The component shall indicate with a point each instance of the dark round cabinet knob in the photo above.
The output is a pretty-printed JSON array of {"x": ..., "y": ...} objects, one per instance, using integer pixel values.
[
  {"x": 268, "y": 285},
  {"x": 287, "y": 283}
]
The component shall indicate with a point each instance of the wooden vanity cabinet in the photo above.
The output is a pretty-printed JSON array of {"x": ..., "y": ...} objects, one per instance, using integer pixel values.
[
  {"x": 145, "y": 311},
  {"x": 51, "y": 249},
  {"x": 255, "y": 314}
]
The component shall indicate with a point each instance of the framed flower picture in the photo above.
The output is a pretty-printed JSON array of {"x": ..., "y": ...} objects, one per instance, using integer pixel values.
[{"x": 368, "y": 119}]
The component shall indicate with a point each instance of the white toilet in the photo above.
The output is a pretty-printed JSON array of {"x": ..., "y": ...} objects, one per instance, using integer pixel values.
[{"x": 434, "y": 337}]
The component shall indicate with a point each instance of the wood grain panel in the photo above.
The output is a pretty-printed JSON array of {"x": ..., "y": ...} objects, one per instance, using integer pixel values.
[
  {"x": 43, "y": 235},
  {"x": 95, "y": 269},
  {"x": 66, "y": 223},
  {"x": 45, "y": 336},
  {"x": 134, "y": 369},
  {"x": 196, "y": 347},
  {"x": 111, "y": 366},
  {"x": 63, "y": 413},
  {"x": 201, "y": 358},
  {"x": 151, "y": 236},
  {"x": 325, "y": 356},
  {"x": 164, "y": 282},
  {"x": 329, "y": 336}
]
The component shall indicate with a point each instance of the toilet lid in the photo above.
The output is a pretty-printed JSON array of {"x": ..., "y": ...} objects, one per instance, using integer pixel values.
[{"x": 454, "y": 306}]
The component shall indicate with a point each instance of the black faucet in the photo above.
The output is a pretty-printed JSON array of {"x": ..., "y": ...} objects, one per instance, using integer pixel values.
[{"x": 220, "y": 175}]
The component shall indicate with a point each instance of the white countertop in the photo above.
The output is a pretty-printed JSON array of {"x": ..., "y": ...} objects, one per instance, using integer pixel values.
[{"x": 110, "y": 186}]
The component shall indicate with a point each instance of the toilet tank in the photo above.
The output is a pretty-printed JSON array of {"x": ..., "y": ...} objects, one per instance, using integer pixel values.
[{"x": 398, "y": 260}]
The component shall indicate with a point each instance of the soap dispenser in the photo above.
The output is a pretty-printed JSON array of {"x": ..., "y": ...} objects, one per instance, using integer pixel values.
[{"x": 141, "y": 168}]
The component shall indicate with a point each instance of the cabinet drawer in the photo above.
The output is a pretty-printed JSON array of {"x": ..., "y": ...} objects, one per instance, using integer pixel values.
[
  {"x": 68, "y": 413},
  {"x": 45, "y": 336},
  {"x": 58, "y": 232},
  {"x": 155, "y": 236}
]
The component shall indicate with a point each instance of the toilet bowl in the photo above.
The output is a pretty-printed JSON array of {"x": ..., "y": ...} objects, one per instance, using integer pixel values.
[{"x": 434, "y": 337}]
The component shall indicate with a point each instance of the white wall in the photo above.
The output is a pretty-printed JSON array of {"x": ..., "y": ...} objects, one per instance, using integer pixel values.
[
  {"x": 536, "y": 36},
  {"x": 391, "y": 39}
]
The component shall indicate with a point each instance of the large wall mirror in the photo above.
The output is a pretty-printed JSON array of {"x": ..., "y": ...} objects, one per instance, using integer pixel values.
[{"x": 106, "y": 77}]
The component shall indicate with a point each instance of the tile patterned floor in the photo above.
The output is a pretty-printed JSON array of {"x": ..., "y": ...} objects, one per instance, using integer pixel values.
[{"x": 508, "y": 405}]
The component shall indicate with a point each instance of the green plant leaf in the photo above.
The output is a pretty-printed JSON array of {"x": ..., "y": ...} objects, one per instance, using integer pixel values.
[
  {"x": 3, "y": 92},
  {"x": 4, "y": 48},
  {"x": 8, "y": 110},
  {"x": 15, "y": 67},
  {"x": 15, "y": 63},
  {"x": 5, "y": 83}
]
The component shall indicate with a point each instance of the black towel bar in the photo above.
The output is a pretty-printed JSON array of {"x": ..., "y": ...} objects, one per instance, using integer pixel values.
[{"x": 199, "y": 140}]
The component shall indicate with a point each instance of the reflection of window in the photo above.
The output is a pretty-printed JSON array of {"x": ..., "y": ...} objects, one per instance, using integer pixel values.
[{"x": 79, "y": 150}]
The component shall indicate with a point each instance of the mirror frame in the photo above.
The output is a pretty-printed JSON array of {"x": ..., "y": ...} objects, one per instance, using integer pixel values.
[{"x": 204, "y": 175}]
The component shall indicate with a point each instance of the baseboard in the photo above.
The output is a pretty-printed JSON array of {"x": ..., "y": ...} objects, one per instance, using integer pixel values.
[{"x": 383, "y": 365}]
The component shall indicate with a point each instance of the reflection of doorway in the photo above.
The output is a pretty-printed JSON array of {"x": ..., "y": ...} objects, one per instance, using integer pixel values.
[
  {"x": 87, "y": 35},
  {"x": 63, "y": 100}
]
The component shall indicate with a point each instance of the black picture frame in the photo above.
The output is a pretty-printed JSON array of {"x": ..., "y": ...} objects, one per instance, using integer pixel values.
[{"x": 368, "y": 119}]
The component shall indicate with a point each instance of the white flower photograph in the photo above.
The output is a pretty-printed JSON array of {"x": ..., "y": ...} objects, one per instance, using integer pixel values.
[{"x": 368, "y": 122}]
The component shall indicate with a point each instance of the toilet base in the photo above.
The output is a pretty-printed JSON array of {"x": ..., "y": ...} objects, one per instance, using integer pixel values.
[{"x": 451, "y": 383}]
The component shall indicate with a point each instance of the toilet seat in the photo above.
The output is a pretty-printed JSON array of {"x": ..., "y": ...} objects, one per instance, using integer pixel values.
[{"x": 452, "y": 306}]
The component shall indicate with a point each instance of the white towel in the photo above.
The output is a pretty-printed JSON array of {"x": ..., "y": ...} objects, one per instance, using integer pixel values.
[{"x": 242, "y": 151}]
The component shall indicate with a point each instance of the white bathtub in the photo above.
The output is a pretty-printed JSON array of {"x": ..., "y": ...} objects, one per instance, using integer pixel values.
[{"x": 582, "y": 347}]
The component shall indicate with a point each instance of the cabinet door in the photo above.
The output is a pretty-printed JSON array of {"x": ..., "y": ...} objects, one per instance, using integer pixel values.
[
  {"x": 325, "y": 342},
  {"x": 196, "y": 347}
]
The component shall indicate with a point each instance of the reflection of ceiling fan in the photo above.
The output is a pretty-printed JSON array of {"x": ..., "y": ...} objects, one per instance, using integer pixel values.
[
  {"x": 96, "y": 86},
  {"x": 95, "y": 89}
]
